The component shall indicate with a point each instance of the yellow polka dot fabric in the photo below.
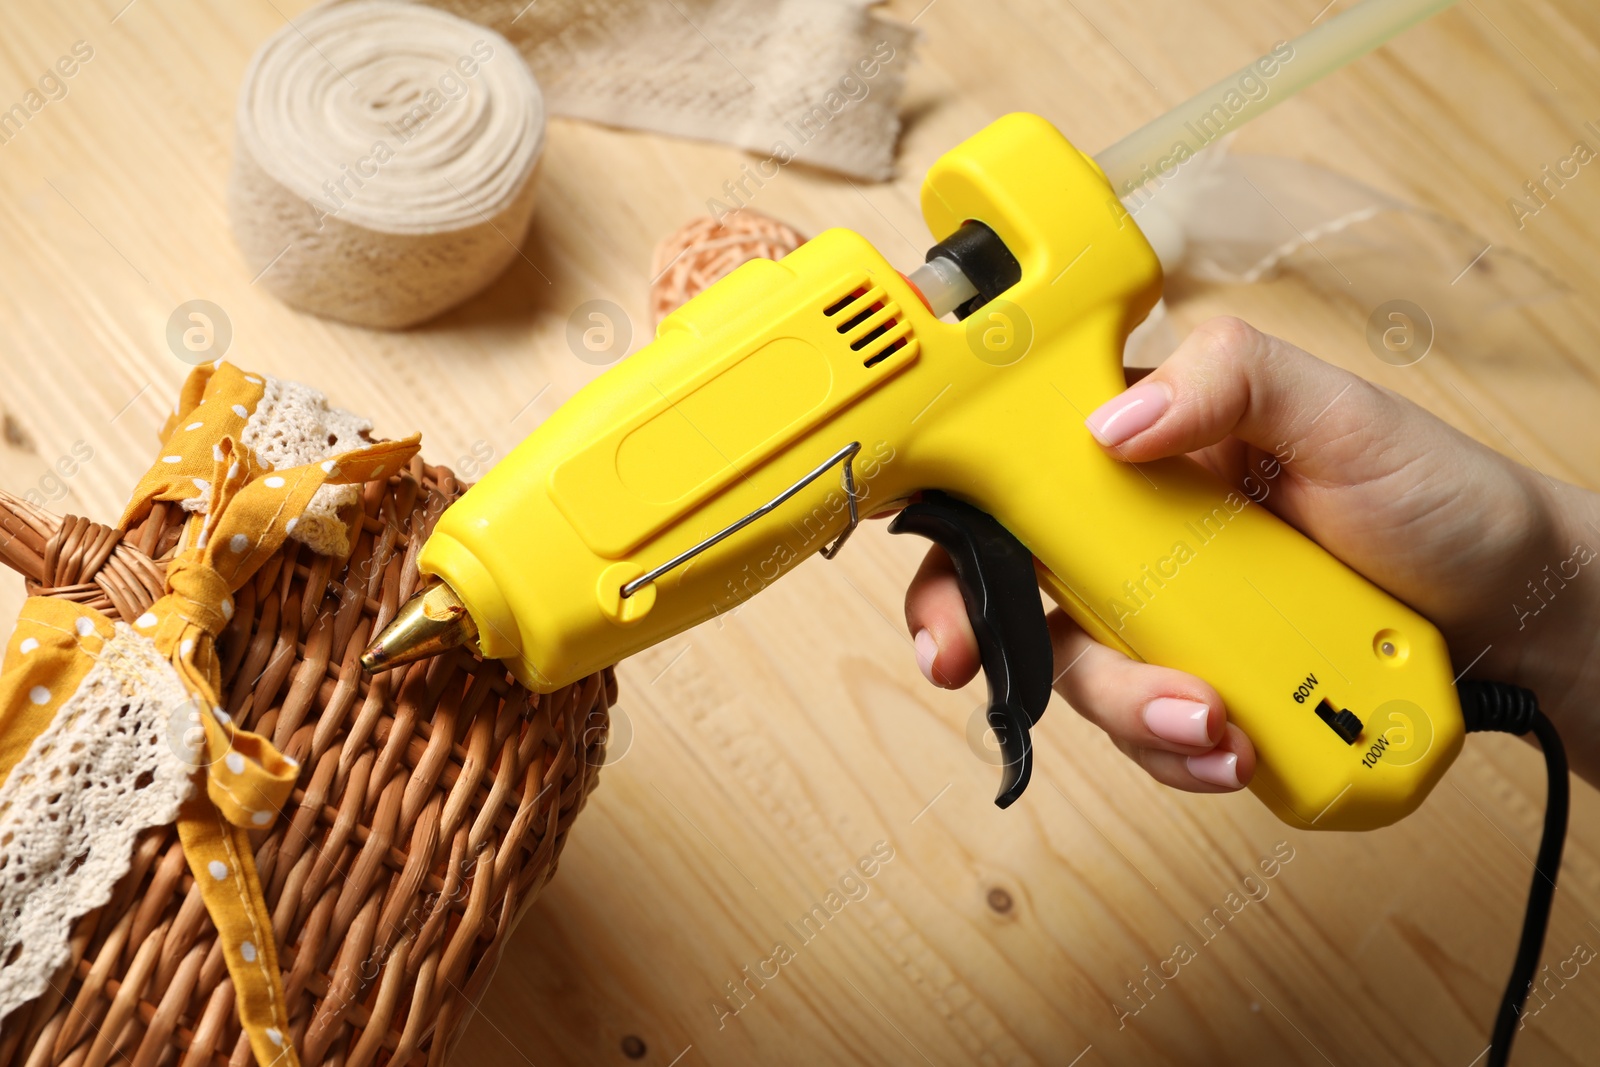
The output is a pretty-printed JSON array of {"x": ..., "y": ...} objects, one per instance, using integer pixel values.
[
  {"x": 54, "y": 646},
  {"x": 251, "y": 510}
]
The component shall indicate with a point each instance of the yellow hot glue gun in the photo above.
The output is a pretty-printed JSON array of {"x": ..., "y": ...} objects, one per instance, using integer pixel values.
[{"x": 792, "y": 398}]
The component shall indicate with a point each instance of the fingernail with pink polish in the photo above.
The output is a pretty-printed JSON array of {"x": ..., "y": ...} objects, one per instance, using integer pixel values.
[
  {"x": 1218, "y": 768},
  {"x": 1134, "y": 412},
  {"x": 1183, "y": 722},
  {"x": 927, "y": 651}
]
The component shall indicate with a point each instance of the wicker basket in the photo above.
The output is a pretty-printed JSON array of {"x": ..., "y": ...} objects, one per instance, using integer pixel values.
[{"x": 429, "y": 811}]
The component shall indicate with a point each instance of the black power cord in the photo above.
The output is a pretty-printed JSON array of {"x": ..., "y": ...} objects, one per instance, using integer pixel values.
[{"x": 1509, "y": 709}]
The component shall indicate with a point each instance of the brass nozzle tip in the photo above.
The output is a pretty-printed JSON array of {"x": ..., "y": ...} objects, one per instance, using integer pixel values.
[{"x": 431, "y": 622}]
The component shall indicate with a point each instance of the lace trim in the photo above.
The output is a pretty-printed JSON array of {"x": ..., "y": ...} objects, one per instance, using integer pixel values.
[
  {"x": 113, "y": 763},
  {"x": 294, "y": 425}
]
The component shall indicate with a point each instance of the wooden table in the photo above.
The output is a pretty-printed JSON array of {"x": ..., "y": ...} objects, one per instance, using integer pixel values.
[{"x": 773, "y": 750}]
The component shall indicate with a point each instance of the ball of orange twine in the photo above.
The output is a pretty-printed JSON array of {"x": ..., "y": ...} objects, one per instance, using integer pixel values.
[{"x": 687, "y": 262}]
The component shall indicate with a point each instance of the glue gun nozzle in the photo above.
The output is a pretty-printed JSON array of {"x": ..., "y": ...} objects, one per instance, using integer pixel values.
[{"x": 431, "y": 622}]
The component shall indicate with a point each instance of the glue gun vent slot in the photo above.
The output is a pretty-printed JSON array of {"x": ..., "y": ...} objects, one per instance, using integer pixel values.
[
  {"x": 845, "y": 301},
  {"x": 870, "y": 323}
]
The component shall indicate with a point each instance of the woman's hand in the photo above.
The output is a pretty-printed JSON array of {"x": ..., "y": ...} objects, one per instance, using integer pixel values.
[{"x": 1452, "y": 528}]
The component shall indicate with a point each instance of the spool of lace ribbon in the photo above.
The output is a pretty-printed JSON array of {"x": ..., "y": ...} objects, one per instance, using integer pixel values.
[{"x": 383, "y": 169}]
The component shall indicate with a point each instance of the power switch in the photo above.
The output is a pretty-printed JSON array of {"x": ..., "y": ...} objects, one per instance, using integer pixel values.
[{"x": 1342, "y": 722}]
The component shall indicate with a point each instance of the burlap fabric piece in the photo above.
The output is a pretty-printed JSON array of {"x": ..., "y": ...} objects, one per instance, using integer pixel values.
[{"x": 820, "y": 78}]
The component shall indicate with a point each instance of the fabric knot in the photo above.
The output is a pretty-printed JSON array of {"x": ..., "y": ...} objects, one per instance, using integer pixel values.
[
  {"x": 242, "y": 509},
  {"x": 201, "y": 591}
]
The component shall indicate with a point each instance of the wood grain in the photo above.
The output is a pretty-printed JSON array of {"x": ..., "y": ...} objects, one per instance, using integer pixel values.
[{"x": 772, "y": 750}]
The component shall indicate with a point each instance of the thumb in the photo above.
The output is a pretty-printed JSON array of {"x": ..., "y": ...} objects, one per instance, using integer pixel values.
[{"x": 1228, "y": 379}]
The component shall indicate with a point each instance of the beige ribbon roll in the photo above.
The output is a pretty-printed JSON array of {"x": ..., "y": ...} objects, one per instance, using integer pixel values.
[{"x": 383, "y": 169}]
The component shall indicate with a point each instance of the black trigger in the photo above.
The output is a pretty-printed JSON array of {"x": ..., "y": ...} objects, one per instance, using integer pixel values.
[{"x": 996, "y": 576}]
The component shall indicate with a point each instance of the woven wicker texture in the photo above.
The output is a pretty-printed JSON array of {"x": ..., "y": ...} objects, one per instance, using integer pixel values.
[
  {"x": 432, "y": 806},
  {"x": 690, "y": 260}
]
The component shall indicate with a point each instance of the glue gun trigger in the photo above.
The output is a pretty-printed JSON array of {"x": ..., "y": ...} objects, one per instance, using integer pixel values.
[{"x": 995, "y": 574}]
